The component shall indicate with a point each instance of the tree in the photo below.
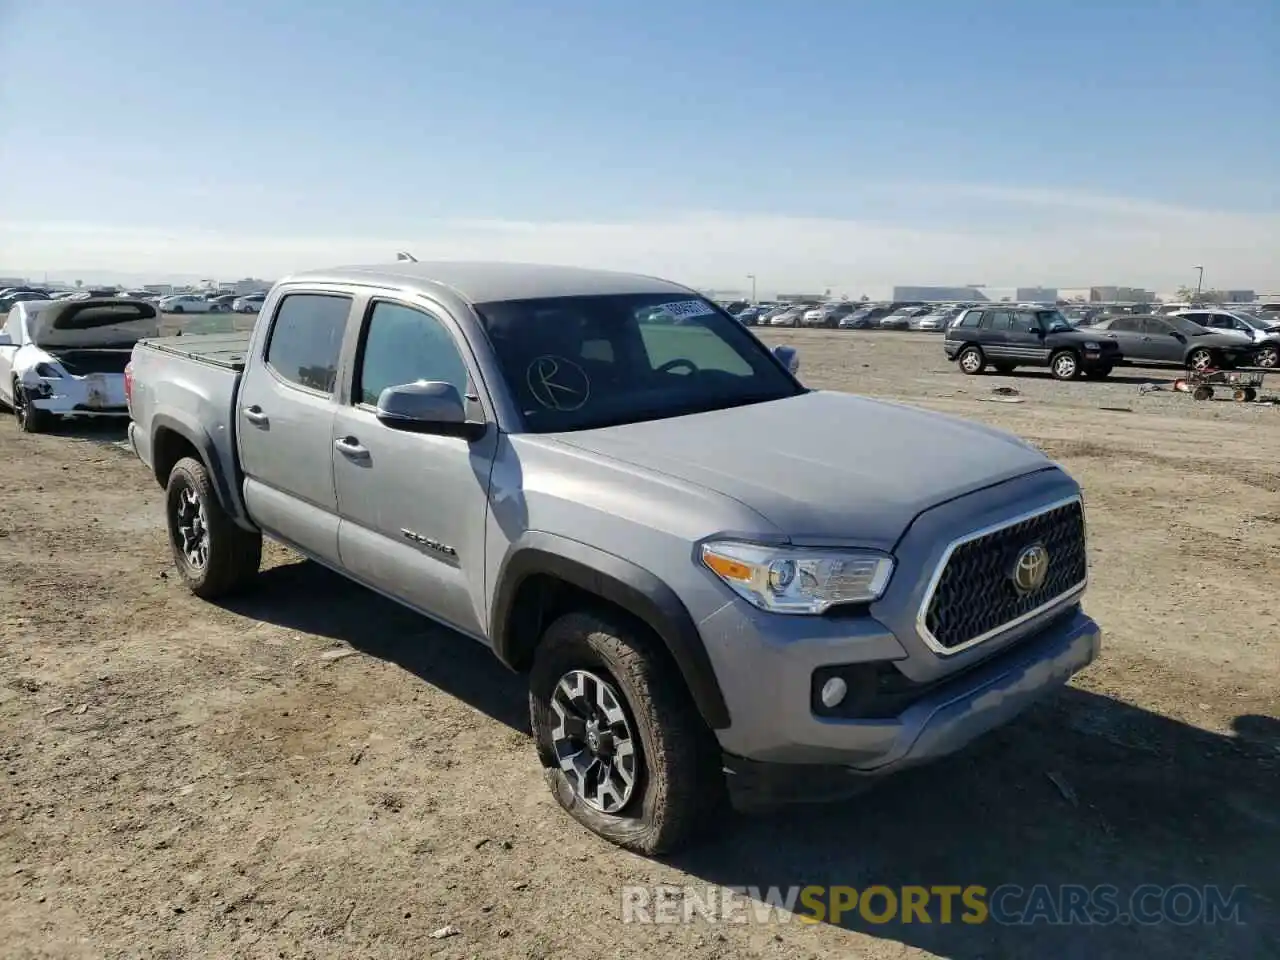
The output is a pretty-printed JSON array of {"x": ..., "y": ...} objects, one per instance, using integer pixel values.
[{"x": 1189, "y": 295}]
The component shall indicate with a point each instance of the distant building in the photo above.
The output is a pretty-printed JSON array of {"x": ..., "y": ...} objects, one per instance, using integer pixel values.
[
  {"x": 12, "y": 282},
  {"x": 803, "y": 297},
  {"x": 1121, "y": 295},
  {"x": 939, "y": 293},
  {"x": 1240, "y": 296},
  {"x": 163, "y": 289},
  {"x": 1036, "y": 294}
]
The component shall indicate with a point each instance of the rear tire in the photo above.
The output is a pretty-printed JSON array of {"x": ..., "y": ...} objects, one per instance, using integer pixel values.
[
  {"x": 214, "y": 555},
  {"x": 178, "y": 309},
  {"x": 1268, "y": 356},
  {"x": 676, "y": 792},
  {"x": 972, "y": 361},
  {"x": 1199, "y": 359},
  {"x": 1065, "y": 365}
]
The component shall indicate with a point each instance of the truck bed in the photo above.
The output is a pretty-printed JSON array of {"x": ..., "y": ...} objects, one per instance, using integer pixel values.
[{"x": 216, "y": 349}]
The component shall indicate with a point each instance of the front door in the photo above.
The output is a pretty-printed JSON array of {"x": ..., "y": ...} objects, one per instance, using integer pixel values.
[
  {"x": 1162, "y": 340},
  {"x": 413, "y": 506},
  {"x": 1025, "y": 340},
  {"x": 284, "y": 422}
]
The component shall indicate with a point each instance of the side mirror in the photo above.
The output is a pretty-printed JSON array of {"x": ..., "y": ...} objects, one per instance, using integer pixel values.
[
  {"x": 428, "y": 406},
  {"x": 789, "y": 357}
]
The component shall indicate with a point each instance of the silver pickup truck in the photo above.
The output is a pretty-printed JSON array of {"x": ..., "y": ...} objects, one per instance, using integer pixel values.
[{"x": 723, "y": 586}]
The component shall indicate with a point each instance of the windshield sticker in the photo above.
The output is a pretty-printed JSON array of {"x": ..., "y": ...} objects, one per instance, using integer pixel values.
[
  {"x": 687, "y": 309},
  {"x": 558, "y": 384}
]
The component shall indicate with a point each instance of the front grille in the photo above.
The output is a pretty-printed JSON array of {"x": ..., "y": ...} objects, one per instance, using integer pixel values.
[{"x": 975, "y": 596}]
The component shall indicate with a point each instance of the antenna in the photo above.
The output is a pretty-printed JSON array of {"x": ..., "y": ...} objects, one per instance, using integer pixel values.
[{"x": 401, "y": 257}]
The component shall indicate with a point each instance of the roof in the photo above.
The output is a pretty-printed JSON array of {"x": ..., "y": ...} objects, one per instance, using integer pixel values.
[{"x": 483, "y": 282}]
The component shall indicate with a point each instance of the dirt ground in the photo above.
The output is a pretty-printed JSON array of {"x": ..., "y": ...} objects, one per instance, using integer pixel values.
[{"x": 182, "y": 780}]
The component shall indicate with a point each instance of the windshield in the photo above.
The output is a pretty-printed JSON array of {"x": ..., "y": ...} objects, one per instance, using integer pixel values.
[
  {"x": 1051, "y": 320},
  {"x": 575, "y": 363},
  {"x": 1258, "y": 323}
]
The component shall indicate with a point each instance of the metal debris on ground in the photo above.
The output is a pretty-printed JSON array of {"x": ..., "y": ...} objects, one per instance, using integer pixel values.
[
  {"x": 1151, "y": 388},
  {"x": 1004, "y": 391},
  {"x": 338, "y": 654}
]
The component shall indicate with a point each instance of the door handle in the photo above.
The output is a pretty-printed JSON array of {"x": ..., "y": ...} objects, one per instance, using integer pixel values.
[
  {"x": 350, "y": 447},
  {"x": 255, "y": 416}
]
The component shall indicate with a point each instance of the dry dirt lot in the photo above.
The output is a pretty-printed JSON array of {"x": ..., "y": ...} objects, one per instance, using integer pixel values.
[{"x": 182, "y": 780}]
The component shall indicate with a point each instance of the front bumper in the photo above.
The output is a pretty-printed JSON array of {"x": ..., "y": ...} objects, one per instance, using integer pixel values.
[{"x": 826, "y": 758}]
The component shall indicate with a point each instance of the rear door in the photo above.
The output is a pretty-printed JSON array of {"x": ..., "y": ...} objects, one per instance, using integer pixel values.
[
  {"x": 413, "y": 505},
  {"x": 995, "y": 334},
  {"x": 284, "y": 420},
  {"x": 1128, "y": 333}
]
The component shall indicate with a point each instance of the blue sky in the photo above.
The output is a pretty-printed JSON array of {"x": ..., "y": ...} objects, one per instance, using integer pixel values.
[{"x": 849, "y": 144}]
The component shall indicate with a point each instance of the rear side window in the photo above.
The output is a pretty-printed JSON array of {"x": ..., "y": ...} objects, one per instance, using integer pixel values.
[
  {"x": 306, "y": 339},
  {"x": 972, "y": 318},
  {"x": 998, "y": 320}
]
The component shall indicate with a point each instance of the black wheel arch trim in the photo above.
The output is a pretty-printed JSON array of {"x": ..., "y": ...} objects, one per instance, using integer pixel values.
[
  {"x": 621, "y": 582},
  {"x": 203, "y": 444}
]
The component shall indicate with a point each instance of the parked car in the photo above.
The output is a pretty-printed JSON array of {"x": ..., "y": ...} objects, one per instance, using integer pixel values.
[
  {"x": 66, "y": 358},
  {"x": 827, "y": 314},
  {"x": 1264, "y": 335},
  {"x": 1173, "y": 340},
  {"x": 791, "y": 316},
  {"x": 865, "y": 317},
  {"x": 750, "y": 316},
  {"x": 585, "y": 468},
  {"x": 190, "y": 303},
  {"x": 934, "y": 321},
  {"x": 901, "y": 318},
  {"x": 1008, "y": 338},
  {"x": 9, "y": 300}
]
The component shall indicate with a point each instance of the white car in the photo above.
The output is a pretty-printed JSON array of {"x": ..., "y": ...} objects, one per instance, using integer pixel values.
[
  {"x": 189, "y": 303},
  {"x": 66, "y": 358},
  {"x": 249, "y": 303}
]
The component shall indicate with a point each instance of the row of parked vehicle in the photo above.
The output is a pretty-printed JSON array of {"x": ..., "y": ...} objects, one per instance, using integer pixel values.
[
  {"x": 850, "y": 315},
  {"x": 1002, "y": 338},
  {"x": 175, "y": 303}
]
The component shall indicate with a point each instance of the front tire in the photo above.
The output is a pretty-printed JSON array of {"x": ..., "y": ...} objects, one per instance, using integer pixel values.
[
  {"x": 31, "y": 419},
  {"x": 214, "y": 555},
  {"x": 1268, "y": 356},
  {"x": 598, "y": 683},
  {"x": 1064, "y": 365},
  {"x": 971, "y": 361}
]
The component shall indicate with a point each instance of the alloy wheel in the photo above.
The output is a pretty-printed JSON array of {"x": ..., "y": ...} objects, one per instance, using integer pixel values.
[
  {"x": 594, "y": 742},
  {"x": 193, "y": 529}
]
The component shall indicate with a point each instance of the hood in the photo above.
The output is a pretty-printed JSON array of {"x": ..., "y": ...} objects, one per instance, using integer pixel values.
[
  {"x": 93, "y": 323},
  {"x": 823, "y": 467}
]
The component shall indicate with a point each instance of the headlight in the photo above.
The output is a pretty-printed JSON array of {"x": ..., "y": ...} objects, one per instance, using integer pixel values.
[
  {"x": 797, "y": 580},
  {"x": 1091, "y": 345},
  {"x": 48, "y": 371}
]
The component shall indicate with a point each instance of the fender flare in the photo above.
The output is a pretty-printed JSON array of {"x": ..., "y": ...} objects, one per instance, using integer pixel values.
[
  {"x": 195, "y": 435},
  {"x": 621, "y": 582}
]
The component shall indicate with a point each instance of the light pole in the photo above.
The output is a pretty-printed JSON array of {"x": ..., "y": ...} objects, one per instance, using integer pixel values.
[
  {"x": 752, "y": 278},
  {"x": 1199, "y": 281}
]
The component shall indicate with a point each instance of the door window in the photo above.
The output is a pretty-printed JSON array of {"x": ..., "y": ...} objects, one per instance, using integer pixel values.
[
  {"x": 404, "y": 345},
  {"x": 999, "y": 320},
  {"x": 306, "y": 339},
  {"x": 1124, "y": 325}
]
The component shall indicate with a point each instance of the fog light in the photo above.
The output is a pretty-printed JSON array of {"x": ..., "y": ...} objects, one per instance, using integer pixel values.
[{"x": 833, "y": 692}]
